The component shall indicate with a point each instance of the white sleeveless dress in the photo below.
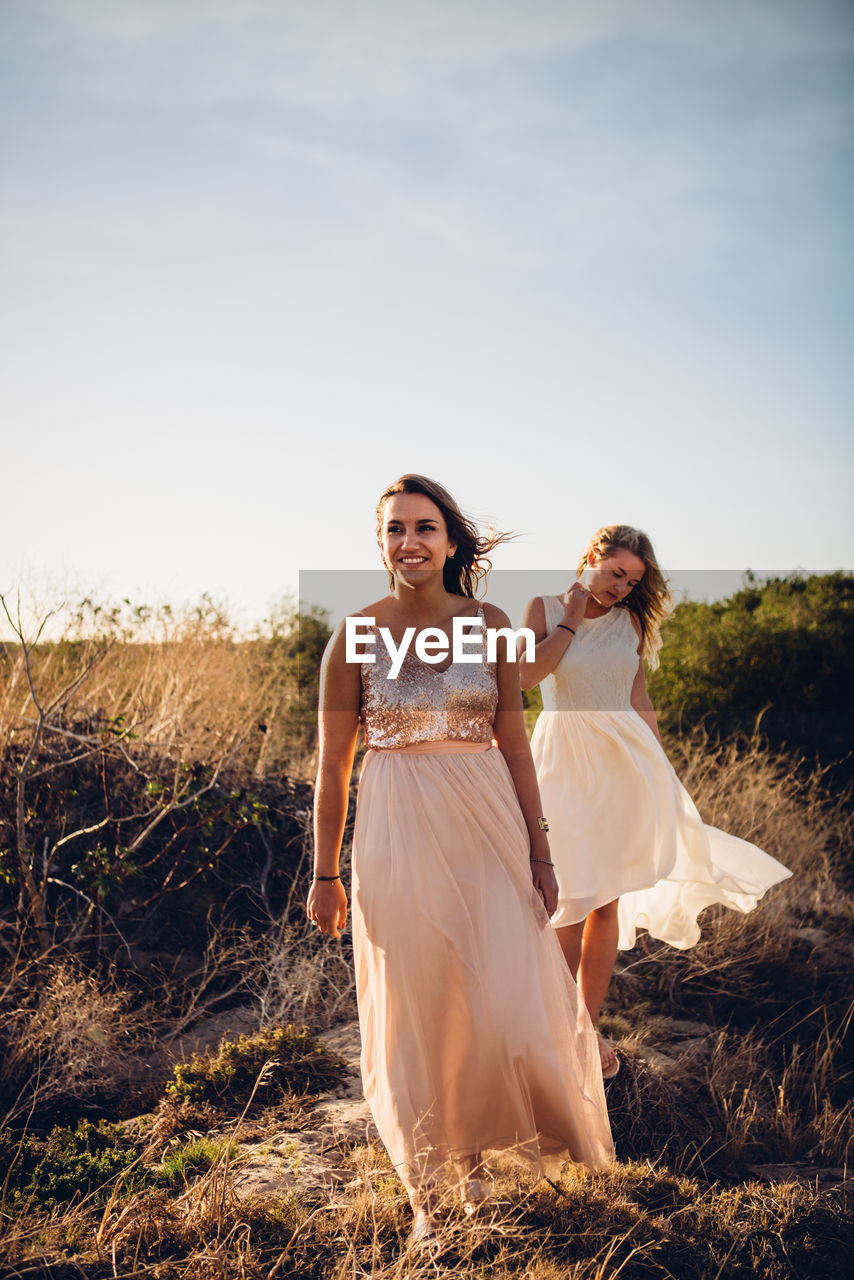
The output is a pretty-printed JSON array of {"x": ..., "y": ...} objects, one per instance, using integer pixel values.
[{"x": 621, "y": 825}]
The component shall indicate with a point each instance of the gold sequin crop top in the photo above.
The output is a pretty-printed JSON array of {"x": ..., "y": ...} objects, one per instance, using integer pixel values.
[{"x": 425, "y": 704}]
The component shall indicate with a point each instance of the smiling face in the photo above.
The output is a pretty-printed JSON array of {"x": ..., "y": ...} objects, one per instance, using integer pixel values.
[
  {"x": 414, "y": 537},
  {"x": 610, "y": 579}
]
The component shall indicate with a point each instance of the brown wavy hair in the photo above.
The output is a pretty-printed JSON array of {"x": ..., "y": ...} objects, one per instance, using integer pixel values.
[
  {"x": 650, "y": 601},
  {"x": 467, "y": 568}
]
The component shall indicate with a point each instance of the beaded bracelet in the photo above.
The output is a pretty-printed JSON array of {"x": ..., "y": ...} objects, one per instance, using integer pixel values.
[{"x": 543, "y": 861}]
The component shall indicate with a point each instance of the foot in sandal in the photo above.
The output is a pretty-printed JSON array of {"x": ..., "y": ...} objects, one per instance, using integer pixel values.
[{"x": 608, "y": 1058}]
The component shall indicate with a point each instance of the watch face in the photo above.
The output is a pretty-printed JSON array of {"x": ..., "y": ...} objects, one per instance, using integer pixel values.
[{"x": 542, "y": 824}]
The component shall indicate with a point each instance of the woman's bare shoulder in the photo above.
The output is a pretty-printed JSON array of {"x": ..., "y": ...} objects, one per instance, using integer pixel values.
[
  {"x": 379, "y": 609},
  {"x": 493, "y": 616}
]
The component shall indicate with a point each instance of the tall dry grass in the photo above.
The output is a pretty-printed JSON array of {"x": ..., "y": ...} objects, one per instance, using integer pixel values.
[
  {"x": 185, "y": 685},
  {"x": 736, "y": 1054},
  {"x": 147, "y": 808},
  {"x": 637, "y": 1221},
  {"x": 763, "y": 1064},
  {"x": 180, "y": 712},
  {"x": 80, "y": 1033}
]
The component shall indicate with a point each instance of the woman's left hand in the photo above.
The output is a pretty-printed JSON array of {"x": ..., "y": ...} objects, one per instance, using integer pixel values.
[
  {"x": 545, "y": 882},
  {"x": 327, "y": 906}
]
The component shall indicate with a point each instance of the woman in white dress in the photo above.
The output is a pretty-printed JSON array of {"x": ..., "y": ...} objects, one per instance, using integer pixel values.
[
  {"x": 474, "y": 1035},
  {"x": 629, "y": 847}
]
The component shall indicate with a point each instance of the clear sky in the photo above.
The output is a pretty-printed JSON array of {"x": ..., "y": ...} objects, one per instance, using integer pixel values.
[{"x": 580, "y": 260}]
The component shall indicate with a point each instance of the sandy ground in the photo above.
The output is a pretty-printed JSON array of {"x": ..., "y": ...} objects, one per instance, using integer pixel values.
[{"x": 313, "y": 1161}]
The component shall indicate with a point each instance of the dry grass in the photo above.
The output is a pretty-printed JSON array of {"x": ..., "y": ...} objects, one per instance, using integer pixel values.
[
  {"x": 762, "y": 1068},
  {"x": 755, "y": 1023},
  {"x": 140, "y": 771},
  {"x": 295, "y": 975},
  {"x": 782, "y": 804},
  {"x": 74, "y": 1041},
  {"x": 191, "y": 689},
  {"x": 783, "y": 1115},
  {"x": 639, "y": 1220}
]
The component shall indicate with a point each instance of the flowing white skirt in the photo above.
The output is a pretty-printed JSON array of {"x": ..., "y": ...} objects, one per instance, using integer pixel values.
[
  {"x": 474, "y": 1036},
  {"x": 621, "y": 825}
]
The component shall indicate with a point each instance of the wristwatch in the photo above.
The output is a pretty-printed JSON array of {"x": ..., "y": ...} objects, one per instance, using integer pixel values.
[{"x": 542, "y": 824}]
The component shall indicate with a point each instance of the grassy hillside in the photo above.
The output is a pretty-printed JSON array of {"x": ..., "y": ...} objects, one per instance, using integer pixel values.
[{"x": 154, "y": 803}]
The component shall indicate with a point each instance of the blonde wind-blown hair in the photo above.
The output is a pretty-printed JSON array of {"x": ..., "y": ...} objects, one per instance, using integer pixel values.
[{"x": 650, "y": 601}]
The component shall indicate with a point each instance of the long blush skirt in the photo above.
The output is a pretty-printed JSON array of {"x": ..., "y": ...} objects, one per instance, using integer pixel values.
[{"x": 474, "y": 1035}]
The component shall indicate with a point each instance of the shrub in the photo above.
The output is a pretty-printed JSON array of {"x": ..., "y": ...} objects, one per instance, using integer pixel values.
[
  {"x": 779, "y": 652},
  {"x": 297, "y": 975},
  {"x": 68, "y": 1163},
  {"x": 136, "y": 769},
  {"x": 71, "y": 1039},
  {"x": 296, "y": 1062}
]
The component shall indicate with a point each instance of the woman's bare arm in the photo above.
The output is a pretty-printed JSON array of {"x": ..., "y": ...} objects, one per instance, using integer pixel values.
[
  {"x": 551, "y": 646},
  {"x": 338, "y": 723}
]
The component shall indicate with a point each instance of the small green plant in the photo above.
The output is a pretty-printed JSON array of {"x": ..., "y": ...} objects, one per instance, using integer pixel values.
[
  {"x": 68, "y": 1163},
  {"x": 297, "y": 1062},
  {"x": 181, "y": 1162}
]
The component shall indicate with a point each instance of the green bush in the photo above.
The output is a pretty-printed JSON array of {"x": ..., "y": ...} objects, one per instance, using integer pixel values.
[
  {"x": 67, "y": 1164},
  {"x": 777, "y": 653},
  {"x": 300, "y": 1064}
]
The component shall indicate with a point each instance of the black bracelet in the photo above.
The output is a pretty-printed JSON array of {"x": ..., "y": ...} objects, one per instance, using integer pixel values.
[
  {"x": 565, "y": 628},
  {"x": 327, "y": 877},
  {"x": 542, "y": 860}
]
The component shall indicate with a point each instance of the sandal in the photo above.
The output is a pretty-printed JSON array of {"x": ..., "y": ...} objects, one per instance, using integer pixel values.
[
  {"x": 424, "y": 1239},
  {"x": 608, "y": 1073},
  {"x": 474, "y": 1194}
]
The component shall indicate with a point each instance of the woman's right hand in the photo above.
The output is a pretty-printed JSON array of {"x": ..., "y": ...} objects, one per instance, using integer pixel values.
[
  {"x": 574, "y": 604},
  {"x": 327, "y": 906}
]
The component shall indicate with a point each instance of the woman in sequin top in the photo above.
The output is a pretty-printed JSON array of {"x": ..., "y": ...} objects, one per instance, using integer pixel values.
[{"x": 474, "y": 1036}]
